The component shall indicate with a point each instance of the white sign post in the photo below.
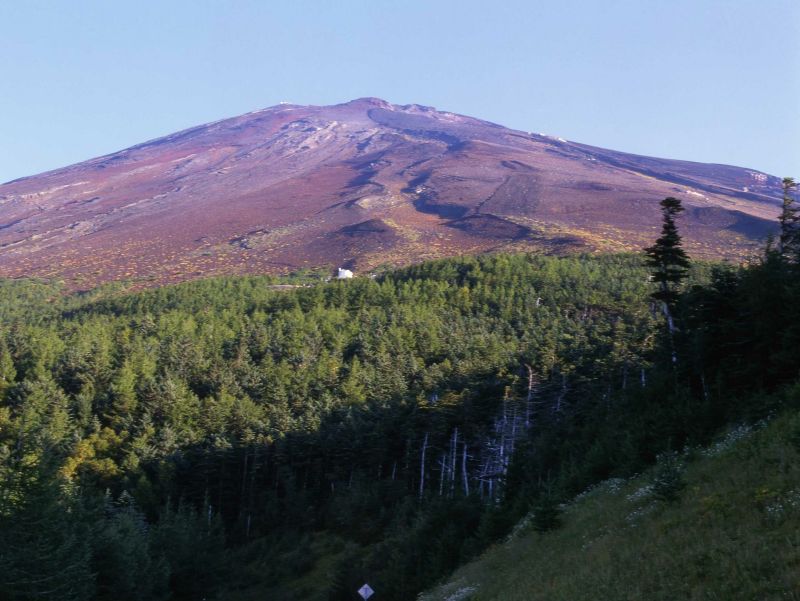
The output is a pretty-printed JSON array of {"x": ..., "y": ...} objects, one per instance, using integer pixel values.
[{"x": 366, "y": 592}]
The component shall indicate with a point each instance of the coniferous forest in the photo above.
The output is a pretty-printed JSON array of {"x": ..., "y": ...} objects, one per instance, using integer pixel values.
[{"x": 230, "y": 439}]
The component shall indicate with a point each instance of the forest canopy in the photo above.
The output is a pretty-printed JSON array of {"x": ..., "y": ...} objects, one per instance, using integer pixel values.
[{"x": 220, "y": 437}]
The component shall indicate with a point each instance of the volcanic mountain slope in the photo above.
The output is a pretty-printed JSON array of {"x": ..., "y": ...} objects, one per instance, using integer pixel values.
[{"x": 358, "y": 184}]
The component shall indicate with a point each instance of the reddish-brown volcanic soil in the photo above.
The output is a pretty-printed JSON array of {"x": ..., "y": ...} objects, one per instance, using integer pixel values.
[{"x": 358, "y": 184}]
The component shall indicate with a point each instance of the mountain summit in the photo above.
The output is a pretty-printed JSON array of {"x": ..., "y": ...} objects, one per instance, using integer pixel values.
[{"x": 357, "y": 185}]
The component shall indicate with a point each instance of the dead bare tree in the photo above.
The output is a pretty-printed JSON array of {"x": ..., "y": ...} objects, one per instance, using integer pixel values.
[
  {"x": 422, "y": 467},
  {"x": 464, "y": 469}
]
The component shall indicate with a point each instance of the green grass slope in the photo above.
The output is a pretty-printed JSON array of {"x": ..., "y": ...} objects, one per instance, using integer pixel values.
[{"x": 732, "y": 533}]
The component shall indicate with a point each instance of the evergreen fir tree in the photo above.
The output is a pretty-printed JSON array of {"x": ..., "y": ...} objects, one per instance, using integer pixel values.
[
  {"x": 44, "y": 534},
  {"x": 789, "y": 239},
  {"x": 546, "y": 514},
  {"x": 668, "y": 260},
  {"x": 8, "y": 372}
]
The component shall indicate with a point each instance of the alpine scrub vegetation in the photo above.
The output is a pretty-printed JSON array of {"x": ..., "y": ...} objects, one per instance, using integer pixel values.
[{"x": 223, "y": 439}]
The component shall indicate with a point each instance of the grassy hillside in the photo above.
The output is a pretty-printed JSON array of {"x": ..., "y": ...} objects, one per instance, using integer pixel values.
[{"x": 732, "y": 533}]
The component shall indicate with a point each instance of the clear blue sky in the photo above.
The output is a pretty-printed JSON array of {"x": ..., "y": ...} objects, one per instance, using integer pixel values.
[{"x": 705, "y": 80}]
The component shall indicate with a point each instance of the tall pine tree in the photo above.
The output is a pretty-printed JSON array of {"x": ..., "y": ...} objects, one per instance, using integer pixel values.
[
  {"x": 666, "y": 257},
  {"x": 669, "y": 262},
  {"x": 789, "y": 240}
]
